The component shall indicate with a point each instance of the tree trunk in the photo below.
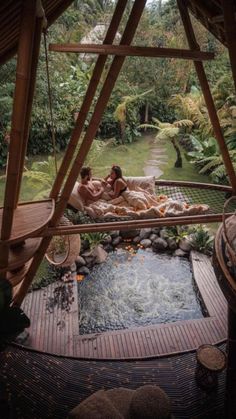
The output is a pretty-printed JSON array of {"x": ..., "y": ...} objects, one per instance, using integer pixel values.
[
  {"x": 146, "y": 114},
  {"x": 122, "y": 130},
  {"x": 178, "y": 162}
]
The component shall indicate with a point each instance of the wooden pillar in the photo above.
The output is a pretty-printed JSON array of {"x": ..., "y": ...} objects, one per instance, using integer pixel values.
[
  {"x": 84, "y": 149},
  {"x": 23, "y": 70},
  {"x": 96, "y": 76},
  {"x": 230, "y": 394},
  {"x": 230, "y": 32},
  {"x": 207, "y": 94},
  {"x": 35, "y": 56}
]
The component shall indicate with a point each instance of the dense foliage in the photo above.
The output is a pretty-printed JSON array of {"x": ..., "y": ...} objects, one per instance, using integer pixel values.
[{"x": 147, "y": 90}]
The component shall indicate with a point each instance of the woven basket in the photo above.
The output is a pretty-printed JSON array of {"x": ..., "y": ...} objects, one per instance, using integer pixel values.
[
  {"x": 63, "y": 250},
  {"x": 229, "y": 232}
]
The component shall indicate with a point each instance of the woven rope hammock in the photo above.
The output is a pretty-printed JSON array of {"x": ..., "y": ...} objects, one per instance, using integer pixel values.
[{"x": 214, "y": 196}]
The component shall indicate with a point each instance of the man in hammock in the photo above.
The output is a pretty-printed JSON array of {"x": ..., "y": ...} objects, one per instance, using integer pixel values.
[{"x": 88, "y": 191}]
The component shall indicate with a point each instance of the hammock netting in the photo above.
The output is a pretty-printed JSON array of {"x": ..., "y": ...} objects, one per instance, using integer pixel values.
[{"x": 214, "y": 198}]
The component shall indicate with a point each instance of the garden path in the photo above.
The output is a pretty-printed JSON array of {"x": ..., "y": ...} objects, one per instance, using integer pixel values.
[{"x": 158, "y": 156}]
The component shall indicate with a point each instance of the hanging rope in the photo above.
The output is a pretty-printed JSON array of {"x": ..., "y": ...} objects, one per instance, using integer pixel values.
[{"x": 50, "y": 101}]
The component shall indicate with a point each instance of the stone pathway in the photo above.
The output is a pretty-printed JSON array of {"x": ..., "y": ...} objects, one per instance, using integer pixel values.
[{"x": 158, "y": 158}]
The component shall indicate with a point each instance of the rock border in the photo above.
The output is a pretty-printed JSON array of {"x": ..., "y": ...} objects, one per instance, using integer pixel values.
[{"x": 155, "y": 239}]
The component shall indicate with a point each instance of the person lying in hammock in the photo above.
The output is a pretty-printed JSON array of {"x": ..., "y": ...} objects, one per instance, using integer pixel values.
[
  {"x": 116, "y": 181},
  {"x": 88, "y": 191}
]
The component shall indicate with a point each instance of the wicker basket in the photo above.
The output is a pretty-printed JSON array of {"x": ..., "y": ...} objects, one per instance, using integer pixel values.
[{"x": 63, "y": 250}]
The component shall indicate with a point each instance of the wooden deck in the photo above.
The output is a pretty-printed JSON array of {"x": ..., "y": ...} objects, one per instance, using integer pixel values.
[{"x": 55, "y": 330}]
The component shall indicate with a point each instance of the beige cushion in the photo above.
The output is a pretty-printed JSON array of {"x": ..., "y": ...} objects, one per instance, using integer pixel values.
[
  {"x": 97, "y": 406},
  {"x": 75, "y": 199},
  {"x": 145, "y": 182}
]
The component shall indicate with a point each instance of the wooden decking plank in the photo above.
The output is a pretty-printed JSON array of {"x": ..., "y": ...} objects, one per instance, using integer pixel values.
[
  {"x": 39, "y": 318},
  {"x": 145, "y": 343},
  {"x": 115, "y": 338},
  {"x": 175, "y": 337},
  {"x": 49, "y": 334},
  {"x": 158, "y": 341},
  {"x": 34, "y": 317},
  {"x": 112, "y": 346},
  {"x": 170, "y": 335},
  {"x": 125, "y": 344},
  {"x": 148, "y": 336},
  {"x": 136, "y": 344}
]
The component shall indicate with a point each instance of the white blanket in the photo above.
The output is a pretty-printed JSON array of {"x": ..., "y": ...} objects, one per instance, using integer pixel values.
[{"x": 141, "y": 204}]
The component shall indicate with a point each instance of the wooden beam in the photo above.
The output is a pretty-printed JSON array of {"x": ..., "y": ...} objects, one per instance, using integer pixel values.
[
  {"x": 127, "y": 37},
  {"x": 207, "y": 94},
  {"x": 134, "y": 51},
  {"x": 94, "y": 81},
  {"x": 23, "y": 71},
  {"x": 230, "y": 33}
]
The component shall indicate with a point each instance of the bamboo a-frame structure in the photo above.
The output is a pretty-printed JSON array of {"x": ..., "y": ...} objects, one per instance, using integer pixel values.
[
  {"x": 16, "y": 249},
  {"x": 26, "y": 229}
]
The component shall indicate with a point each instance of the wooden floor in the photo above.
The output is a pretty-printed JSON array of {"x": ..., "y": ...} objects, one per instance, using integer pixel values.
[{"x": 56, "y": 330}]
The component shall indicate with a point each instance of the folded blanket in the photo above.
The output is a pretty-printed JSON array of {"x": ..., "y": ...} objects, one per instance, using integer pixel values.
[{"x": 142, "y": 204}]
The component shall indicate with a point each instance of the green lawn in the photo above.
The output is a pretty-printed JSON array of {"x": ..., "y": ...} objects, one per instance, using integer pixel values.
[
  {"x": 131, "y": 158},
  {"x": 188, "y": 172}
]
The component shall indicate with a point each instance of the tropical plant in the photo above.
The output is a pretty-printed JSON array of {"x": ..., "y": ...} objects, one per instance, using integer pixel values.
[
  {"x": 126, "y": 113},
  {"x": 94, "y": 238},
  {"x": 214, "y": 166},
  {"x": 192, "y": 107},
  {"x": 177, "y": 233},
  {"x": 41, "y": 176},
  {"x": 202, "y": 241},
  {"x": 170, "y": 132},
  {"x": 201, "y": 150}
]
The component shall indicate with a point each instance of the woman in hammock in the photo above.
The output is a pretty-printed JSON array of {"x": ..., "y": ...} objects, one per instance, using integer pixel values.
[{"x": 116, "y": 181}]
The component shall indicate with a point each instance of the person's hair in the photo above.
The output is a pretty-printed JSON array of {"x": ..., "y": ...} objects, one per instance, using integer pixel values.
[
  {"x": 85, "y": 171},
  {"x": 117, "y": 171}
]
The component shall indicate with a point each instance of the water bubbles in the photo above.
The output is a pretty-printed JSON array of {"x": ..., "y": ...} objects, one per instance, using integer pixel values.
[{"x": 150, "y": 288}]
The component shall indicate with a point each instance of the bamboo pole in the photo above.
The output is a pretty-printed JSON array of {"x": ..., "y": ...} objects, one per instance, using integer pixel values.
[
  {"x": 35, "y": 56},
  {"x": 89, "y": 96},
  {"x": 131, "y": 225},
  {"x": 104, "y": 96},
  {"x": 133, "y": 51},
  {"x": 230, "y": 32},
  {"x": 18, "y": 120},
  {"x": 207, "y": 94}
]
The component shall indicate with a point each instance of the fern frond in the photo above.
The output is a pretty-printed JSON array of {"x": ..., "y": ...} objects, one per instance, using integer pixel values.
[{"x": 183, "y": 123}]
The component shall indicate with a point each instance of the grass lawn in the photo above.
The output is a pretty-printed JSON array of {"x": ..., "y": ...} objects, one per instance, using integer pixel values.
[
  {"x": 131, "y": 158},
  {"x": 188, "y": 172}
]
